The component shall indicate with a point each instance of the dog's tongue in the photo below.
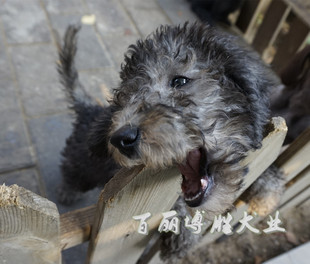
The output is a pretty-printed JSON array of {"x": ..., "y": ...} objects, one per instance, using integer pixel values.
[{"x": 190, "y": 171}]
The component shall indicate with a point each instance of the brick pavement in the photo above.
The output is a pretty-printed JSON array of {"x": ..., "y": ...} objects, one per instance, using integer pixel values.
[{"x": 34, "y": 119}]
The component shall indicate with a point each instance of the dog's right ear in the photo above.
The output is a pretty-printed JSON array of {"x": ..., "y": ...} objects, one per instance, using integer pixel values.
[{"x": 99, "y": 130}]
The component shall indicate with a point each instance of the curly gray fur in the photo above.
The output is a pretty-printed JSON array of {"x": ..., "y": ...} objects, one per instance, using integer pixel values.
[{"x": 222, "y": 108}]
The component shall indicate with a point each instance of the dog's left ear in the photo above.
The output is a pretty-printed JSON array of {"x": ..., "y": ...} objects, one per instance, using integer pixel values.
[
  {"x": 255, "y": 80},
  {"x": 98, "y": 134}
]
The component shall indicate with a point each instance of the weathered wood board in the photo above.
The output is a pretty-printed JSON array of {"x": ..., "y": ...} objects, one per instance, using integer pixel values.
[
  {"x": 296, "y": 157},
  {"x": 75, "y": 226},
  {"x": 29, "y": 228},
  {"x": 114, "y": 236}
]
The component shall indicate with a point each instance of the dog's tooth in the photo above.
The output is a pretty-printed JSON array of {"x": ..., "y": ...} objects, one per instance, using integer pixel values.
[
  {"x": 204, "y": 183},
  {"x": 193, "y": 198},
  {"x": 197, "y": 195}
]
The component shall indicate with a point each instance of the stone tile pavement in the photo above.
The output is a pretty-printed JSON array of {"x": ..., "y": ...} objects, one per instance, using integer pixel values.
[{"x": 34, "y": 119}]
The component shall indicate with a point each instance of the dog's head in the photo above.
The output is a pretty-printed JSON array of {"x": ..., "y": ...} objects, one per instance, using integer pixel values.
[{"x": 190, "y": 97}]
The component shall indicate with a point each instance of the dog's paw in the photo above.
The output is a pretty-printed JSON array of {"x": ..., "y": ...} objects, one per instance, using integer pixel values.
[{"x": 67, "y": 196}]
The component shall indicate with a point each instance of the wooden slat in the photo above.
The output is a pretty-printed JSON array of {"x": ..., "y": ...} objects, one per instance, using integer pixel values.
[
  {"x": 254, "y": 25},
  {"x": 75, "y": 226},
  {"x": 246, "y": 13},
  {"x": 29, "y": 228},
  {"x": 304, "y": 44},
  {"x": 151, "y": 249},
  {"x": 258, "y": 161},
  {"x": 296, "y": 157},
  {"x": 272, "y": 19},
  {"x": 298, "y": 199},
  {"x": 290, "y": 42},
  {"x": 297, "y": 187},
  {"x": 279, "y": 27},
  {"x": 114, "y": 237},
  {"x": 301, "y": 8}
]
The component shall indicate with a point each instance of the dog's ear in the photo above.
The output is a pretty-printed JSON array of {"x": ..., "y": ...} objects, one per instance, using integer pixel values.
[
  {"x": 99, "y": 130},
  {"x": 250, "y": 76}
]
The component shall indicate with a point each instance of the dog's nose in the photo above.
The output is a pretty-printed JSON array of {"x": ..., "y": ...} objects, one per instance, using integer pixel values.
[{"x": 126, "y": 140}]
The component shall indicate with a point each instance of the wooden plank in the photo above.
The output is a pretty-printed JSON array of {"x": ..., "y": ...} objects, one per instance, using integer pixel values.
[
  {"x": 151, "y": 249},
  {"x": 296, "y": 157},
  {"x": 272, "y": 19},
  {"x": 302, "y": 182},
  {"x": 290, "y": 42},
  {"x": 298, "y": 199},
  {"x": 279, "y": 27},
  {"x": 254, "y": 25},
  {"x": 246, "y": 13},
  {"x": 304, "y": 44},
  {"x": 29, "y": 227},
  {"x": 114, "y": 237},
  {"x": 301, "y": 8},
  {"x": 75, "y": 226},
  {"x": 258, "y": 161},
  {"x": 156, "y": 259}
]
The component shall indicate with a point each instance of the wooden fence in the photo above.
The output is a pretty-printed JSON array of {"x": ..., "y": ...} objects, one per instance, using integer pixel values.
[
  {"x": 276, "y": 29},
  {"x": 32, "y": 231}
]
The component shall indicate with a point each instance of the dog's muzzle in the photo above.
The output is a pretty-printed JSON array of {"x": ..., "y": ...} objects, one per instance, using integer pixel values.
[
  {"x": 126, "y": 140},
  {"x": 197, "y": 182}
]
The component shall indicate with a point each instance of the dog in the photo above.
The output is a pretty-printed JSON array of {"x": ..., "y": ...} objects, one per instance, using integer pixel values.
[{"x": 190, "y": 97}]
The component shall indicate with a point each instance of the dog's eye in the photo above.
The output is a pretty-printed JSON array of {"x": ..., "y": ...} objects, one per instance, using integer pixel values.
[{"x": 179, "y": 81}]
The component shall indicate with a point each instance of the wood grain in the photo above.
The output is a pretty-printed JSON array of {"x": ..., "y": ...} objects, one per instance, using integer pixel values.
[
  {"x": 29, "y": 228},
  {"x": 75, "y": 226},
  {"x": 114, "y": 236},
  {"x": 296, "y": 157}
]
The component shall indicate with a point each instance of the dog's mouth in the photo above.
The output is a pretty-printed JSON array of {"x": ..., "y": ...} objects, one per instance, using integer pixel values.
[{"x": 197, "y": 182}]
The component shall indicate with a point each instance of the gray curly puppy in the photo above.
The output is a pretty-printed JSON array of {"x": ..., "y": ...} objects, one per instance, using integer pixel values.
[{"x": 189, "y": 96}]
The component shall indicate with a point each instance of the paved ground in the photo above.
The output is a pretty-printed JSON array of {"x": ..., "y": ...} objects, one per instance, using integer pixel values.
[{"x": 34, "y": 119}]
